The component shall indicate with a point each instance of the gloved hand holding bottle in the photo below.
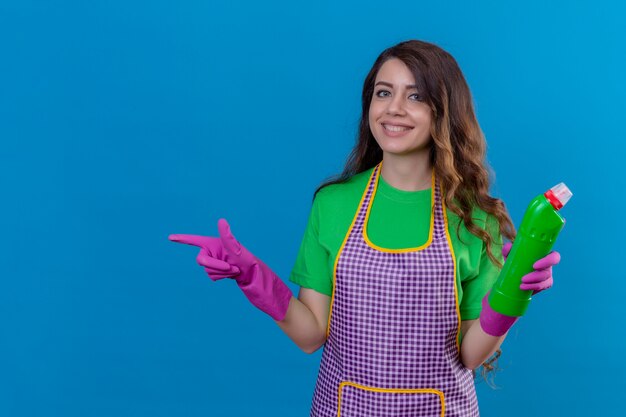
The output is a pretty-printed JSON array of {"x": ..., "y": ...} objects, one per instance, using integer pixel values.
[
  {"x": 523, "y": 276},
  {"x": 497, "y": 324},
  {"x": 541, "y": 278},
  {"x": 225, "y": 257}
]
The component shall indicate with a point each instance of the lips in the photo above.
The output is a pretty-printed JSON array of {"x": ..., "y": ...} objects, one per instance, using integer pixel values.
[{"x": 396, "y": 128}]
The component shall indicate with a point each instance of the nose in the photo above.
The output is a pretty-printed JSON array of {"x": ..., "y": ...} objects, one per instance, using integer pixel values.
[{"x": 395, "y": 105}]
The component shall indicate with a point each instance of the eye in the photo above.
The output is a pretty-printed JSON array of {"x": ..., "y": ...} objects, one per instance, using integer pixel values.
[
  {"x": 416, "y": 97},
  {"x": 382, "y": 93}
]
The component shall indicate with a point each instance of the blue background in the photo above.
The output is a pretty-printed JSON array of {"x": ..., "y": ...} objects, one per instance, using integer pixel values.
[{"x": 123, "y": 122}]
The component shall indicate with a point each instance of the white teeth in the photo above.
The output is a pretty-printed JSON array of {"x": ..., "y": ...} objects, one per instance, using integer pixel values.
[{"x": 395, "y": 128}]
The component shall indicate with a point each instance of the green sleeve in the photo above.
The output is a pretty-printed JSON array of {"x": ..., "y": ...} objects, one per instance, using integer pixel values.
[
  {"x": 475, "y": 288},
  {"x": 311, "y": 269}
]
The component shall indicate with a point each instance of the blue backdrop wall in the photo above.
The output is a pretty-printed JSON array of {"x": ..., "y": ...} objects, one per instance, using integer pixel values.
[{"x": 123, "y": 122}]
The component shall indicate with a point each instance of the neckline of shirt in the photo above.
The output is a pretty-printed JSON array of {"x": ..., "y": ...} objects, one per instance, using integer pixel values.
[{"x": 401, "y": 195}]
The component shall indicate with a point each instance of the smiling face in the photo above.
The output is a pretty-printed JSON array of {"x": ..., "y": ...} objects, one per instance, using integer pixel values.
[{"x": 398, "y": 117}]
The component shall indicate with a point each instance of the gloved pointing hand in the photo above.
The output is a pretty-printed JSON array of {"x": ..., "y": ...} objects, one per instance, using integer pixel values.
[{"x": 225, "y": 257}]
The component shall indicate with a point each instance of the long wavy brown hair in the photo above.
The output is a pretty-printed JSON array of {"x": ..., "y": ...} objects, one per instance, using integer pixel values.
[{"x": 458, "y": 148}]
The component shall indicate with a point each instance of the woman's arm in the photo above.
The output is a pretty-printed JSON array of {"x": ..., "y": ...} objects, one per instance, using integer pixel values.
[
  {"x": 306, "y": 319},
  {"x": 477, "y": 346}
]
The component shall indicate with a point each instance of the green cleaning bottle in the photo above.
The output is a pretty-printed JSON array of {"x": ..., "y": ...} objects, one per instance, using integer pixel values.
[{"x": 536, "y": 236}]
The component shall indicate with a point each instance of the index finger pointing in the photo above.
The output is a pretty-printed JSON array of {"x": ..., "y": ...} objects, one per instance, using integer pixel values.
[{"x": 195, "y": 240}]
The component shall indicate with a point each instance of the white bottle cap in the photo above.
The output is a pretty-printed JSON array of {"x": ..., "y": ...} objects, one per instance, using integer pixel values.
[{"x": 561, "y": 193}]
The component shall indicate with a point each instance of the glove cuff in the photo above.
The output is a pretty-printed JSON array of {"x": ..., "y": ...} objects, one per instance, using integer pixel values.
[
  {"x": 492, "y": 322},
  {"x": 267, "y": 291},
  {"x": 282, "y": 296}
]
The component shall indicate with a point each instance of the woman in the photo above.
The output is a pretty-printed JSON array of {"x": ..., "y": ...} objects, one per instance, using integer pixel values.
[{"x": 398, "y": 255}]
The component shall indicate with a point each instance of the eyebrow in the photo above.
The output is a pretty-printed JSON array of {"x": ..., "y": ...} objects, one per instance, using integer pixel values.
[{"x": 391, "y": 85}]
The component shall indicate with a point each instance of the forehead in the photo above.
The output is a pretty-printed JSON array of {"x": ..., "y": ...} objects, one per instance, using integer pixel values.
[{"x": 396, "y": 72}]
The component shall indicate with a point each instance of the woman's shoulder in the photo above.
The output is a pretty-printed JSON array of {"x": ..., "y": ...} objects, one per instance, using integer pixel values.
[
  {"x": 480, "y": 218},
  {"x": 340, "y": 194},
  {"x": 478, "y": 215}
]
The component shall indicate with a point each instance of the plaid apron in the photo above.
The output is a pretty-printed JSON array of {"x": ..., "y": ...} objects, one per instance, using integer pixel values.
[{"x": 392, "y": 346}]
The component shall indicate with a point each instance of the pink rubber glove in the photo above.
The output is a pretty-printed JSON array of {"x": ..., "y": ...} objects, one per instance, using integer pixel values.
[
  {"x": 225, "y": 257},
  {"x": 540, "y": 279}
]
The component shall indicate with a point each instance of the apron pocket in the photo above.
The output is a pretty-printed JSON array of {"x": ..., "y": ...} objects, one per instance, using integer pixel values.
[{"x": 360, "y": 401}]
